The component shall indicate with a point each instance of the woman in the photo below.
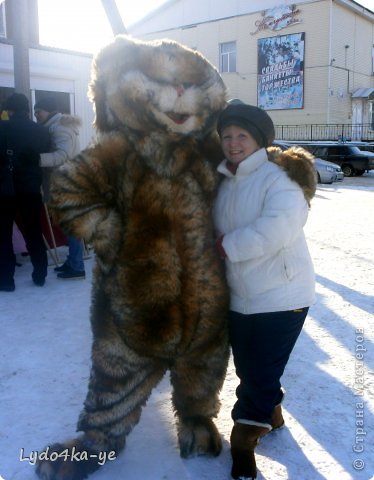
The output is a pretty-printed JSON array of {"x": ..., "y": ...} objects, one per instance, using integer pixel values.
[
  {"x": 64, "y": 131},
  {"x": 259, "y": 214}
]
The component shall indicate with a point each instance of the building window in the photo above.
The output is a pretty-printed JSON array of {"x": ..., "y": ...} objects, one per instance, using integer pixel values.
[
  {"x": 2, "y": 21},
  {"x": 62, "y": 99},
  {"x": 227, "y": 57},
  {"x": 371, "y": 118}
]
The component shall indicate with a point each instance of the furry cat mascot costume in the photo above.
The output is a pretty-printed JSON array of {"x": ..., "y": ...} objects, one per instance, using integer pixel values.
[{"x": 142, "y": 197}]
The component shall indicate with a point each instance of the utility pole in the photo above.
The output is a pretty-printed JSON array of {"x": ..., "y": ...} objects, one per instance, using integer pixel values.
[
  {"x": 18, "y": 10},
  {"x": 114, "y": 16},
  {"x": 22, "y": 29}
]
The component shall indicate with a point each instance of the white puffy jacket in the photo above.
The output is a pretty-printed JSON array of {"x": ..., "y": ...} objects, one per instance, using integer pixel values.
[
  {"x": 261, "y": 213},
  {"x": 64, "y": 131}
]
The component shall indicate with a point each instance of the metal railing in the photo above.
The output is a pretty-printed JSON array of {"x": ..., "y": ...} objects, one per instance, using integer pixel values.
[{"x": 334, "y": 132}]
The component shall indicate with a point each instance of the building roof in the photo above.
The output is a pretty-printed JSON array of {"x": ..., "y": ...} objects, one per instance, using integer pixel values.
[
  {"x": 364, "y": 93},
  {"x": 175, "y": 14}
]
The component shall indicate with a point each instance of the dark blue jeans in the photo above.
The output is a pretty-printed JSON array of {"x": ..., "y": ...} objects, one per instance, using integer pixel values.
[
  {"x": 75, "y": 257},
  {"x": 29, "y": 207},
  {"x": 261, "y": 346}
]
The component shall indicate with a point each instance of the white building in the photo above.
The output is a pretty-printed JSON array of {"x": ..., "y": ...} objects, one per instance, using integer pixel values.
[
  {"x": 309, "y": 62},
  {"x": 64, "y": 75},
  {"x": 61, "y": 73}
]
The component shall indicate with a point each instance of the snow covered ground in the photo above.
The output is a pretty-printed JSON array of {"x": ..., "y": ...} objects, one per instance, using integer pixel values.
[{"x": 329, "y": 406}]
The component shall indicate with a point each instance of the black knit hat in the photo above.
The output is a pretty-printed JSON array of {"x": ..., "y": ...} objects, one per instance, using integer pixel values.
[
  {"x": 17, "y": 102},
  {"x": 47, "y": 104},
  {"x": 253, "y": 119}
]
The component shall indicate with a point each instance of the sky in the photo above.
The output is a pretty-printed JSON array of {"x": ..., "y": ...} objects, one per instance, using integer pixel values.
[
  {"x": 45, "y": 346},
  {"x": 82, "y": 24},
  {"x": 366, "y": 3}
]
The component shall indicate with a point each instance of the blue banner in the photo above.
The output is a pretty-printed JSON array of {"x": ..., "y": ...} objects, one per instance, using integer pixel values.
[{"x": 280, "y": 68}]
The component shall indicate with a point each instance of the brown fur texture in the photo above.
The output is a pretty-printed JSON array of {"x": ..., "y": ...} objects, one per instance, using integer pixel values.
[
  {"x": 298, "y": 163},
  {"x": 142, "y": 196}
]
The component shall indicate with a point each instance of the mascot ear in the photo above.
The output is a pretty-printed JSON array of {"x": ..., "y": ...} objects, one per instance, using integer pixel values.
[{"x": 97, "y": 95}]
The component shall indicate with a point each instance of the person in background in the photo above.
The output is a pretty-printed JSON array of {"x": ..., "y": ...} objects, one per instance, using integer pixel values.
[
  {"x": 21, "y": 143},
  {"x": 64, "y": 131},
  {"x": 259, "y": 215}
]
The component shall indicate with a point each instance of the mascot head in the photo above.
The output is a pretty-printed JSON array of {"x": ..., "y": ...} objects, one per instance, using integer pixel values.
[{"x": 160, "y": 86}]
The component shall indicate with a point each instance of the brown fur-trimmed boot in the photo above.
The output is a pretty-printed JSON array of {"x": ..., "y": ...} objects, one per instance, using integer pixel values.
[{"x": 244, "y": 438}]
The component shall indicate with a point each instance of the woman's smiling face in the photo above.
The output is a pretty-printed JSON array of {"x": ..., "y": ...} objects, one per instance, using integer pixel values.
[{"x": 237, "y": 144}]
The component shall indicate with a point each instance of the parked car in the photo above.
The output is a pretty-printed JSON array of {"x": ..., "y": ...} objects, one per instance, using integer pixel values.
[
  {"x": 365, "y": 146},
  {"x": 351, "y": 159},
  {"x": 326, "y": 172}
]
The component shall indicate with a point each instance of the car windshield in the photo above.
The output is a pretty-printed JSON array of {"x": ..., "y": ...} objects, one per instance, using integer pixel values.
[
  {"x": 334, "y": 149},
  {"x": 353, "y": 150}
]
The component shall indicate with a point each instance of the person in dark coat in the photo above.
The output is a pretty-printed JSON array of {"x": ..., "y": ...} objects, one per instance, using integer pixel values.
[{"x": 21, "y": 143}]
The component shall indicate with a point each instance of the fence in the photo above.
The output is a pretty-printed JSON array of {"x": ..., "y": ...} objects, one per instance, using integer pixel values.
[{"x": 339, "y": 131}]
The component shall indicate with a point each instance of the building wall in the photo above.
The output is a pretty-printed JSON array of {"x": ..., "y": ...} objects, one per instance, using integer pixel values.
[
  {"x": 69, "y": 73},
  {"x": 6, "y": 66},
  {"x": 175, "y": 14},
  {"x": 206, "y": 38},
  {"x": 352, "y": 41},
  {"x": 56, "y": 71},
  {"x": 331, "y": 71},
  {"x": 315, "y": 64}
]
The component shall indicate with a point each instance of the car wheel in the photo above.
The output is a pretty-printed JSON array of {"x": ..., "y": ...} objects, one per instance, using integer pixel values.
[
  {"x": 318, "y": 178},
  {"x": 348, "y": 170},
  {"x": 360, "y": 172}
]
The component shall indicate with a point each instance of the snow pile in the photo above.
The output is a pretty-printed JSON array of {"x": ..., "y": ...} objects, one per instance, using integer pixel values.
[{"x": 329, "y": 406}]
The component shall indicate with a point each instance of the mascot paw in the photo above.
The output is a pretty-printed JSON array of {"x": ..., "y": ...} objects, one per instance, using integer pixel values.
[
  {"x": 72, "y": 460},
  {"x": 198, "y": 436}
]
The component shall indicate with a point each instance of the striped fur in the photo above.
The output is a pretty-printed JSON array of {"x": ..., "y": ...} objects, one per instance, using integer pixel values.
[
  {"x": 142, "y": 196},
  {"x": 298, "y": 164}
]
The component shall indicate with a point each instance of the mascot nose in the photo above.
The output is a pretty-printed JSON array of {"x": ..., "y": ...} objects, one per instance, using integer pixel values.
[{"x": 180, "y": 90}]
